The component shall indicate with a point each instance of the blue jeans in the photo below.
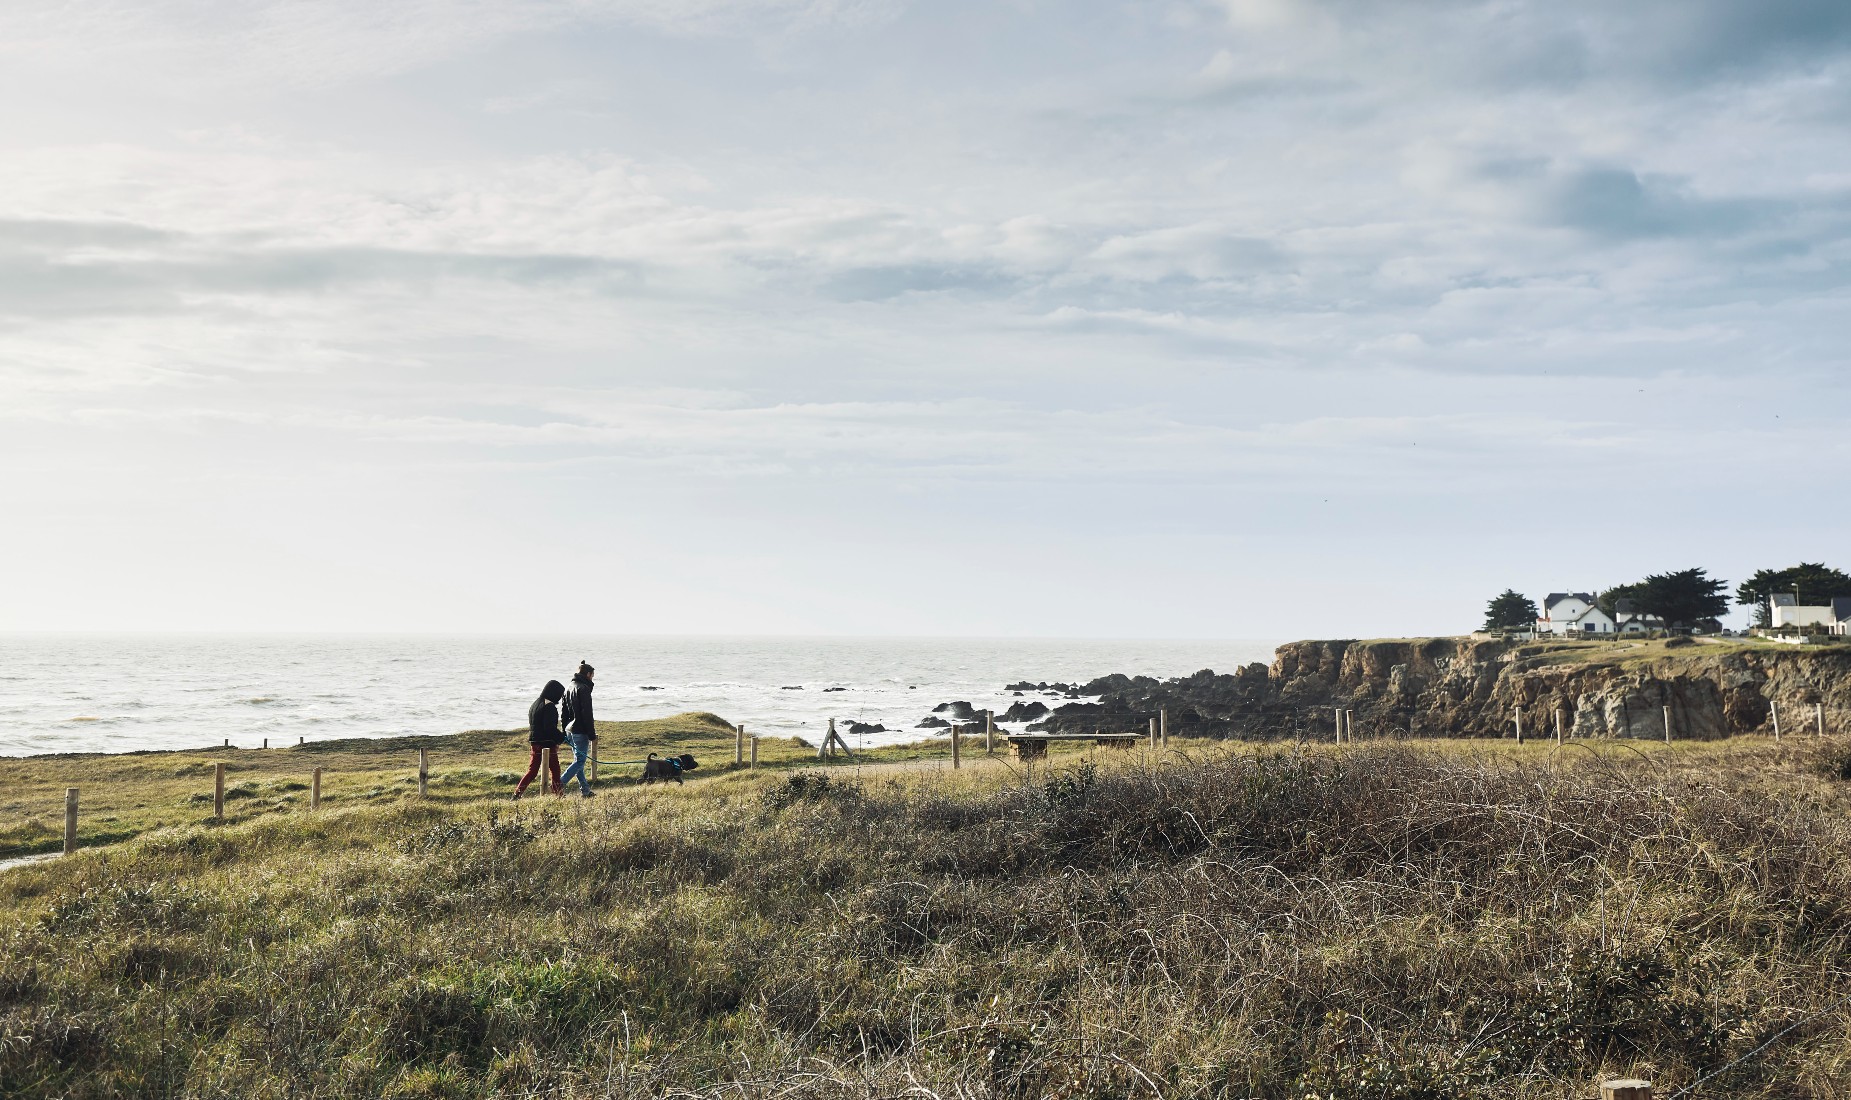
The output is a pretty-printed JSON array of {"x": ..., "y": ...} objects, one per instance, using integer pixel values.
[{"x": 581, "y": 755}]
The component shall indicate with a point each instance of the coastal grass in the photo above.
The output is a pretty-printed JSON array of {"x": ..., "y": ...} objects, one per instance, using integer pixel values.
[
  {"x": 1384, "y": 920},
  {"x": 126, "y": 794}
]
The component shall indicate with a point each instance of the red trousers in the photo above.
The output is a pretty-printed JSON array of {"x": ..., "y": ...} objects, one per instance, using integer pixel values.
[{"x": 551, "y": 753}]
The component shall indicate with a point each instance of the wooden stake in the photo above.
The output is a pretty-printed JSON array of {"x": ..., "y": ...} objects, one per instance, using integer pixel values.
[
  {"x": 424, "y": 772},
  {"x": 1630, "y": 1088},
  {"x": 1155, "y": 733},
  {"x": 755, "y": 750},
  {"x": 739, "y": 744},
  {"x": 1667, "y": 725},
  {"x": 954, "y": 743},
  {"x": 315, "y": 789},
  {"x": 1818, "y": 718},
  {"x": 266, "y": 742},
  {"x": 1339, "y": 711},
  {"x": 218, "y": 791},
  {"x": 70, "y": 820},
  {"x": 1560, "y": 719},
  {"x": 1773, "y": 708},
  {"x": 989, "y": 733},
  {"x": 300, "y": 741},
  {"x": 1519, "y": 713},
  {"x": 1349, "y": 727},
  {"x": 823, "y": 750},
  {"x": 1163, "y": 726}
]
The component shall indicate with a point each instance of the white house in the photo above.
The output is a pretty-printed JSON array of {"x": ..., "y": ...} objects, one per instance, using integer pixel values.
[
  {"x": 1785, "y": 609},
  {"x": 1628, "y": 619},
  {"x": 1574, "y": 613}
]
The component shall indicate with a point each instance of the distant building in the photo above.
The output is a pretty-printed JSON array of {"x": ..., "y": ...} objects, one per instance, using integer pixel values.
[
  {"x": 1574, "y": 613},
  {"x": 1629, "y": 619},
  {"x": 1785, "y": 609}
]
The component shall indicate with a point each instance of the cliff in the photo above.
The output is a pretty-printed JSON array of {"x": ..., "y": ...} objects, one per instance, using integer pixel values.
[{"x": 1468, "y": 688}]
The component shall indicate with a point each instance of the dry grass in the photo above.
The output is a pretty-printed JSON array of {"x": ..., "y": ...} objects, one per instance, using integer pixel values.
[{"x": 1378, "y": 922}]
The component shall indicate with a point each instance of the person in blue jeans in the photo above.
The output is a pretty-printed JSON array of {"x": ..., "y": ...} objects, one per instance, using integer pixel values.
[{"x": 581, "y": 731}]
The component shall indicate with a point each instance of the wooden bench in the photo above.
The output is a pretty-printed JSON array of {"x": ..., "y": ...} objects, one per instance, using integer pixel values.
[{"x": 1029, "y": 746}]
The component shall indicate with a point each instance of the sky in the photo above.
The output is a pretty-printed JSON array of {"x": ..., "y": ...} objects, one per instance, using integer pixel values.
[{"x": 1181, "y": 318}]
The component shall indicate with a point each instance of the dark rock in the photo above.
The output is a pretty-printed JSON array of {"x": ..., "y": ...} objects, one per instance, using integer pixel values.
[
  {"x": 835, "y": 689},
  {"x": 864, "y": 727},
  {"x": 792, "y": 687},
  {"x": 1024, "y": 712},
  {"x": 932, "y": 724}
]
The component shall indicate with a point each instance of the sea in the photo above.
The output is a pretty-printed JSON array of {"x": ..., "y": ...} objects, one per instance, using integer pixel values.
[{"x": 122, "y": 693}]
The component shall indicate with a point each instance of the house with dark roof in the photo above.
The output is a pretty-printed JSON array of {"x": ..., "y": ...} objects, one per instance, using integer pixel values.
[{"x": 1574, "y": 613}]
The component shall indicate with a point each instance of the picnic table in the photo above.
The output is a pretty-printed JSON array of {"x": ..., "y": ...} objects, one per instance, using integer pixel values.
[{"x": 1029, "y": 746}]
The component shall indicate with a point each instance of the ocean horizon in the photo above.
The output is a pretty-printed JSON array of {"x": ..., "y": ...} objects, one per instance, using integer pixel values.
[{"x": 131, "y": 691}]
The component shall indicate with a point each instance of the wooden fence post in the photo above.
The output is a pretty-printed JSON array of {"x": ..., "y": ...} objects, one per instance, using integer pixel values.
[
  {"x": 1773, "y": 709},
  {"x": 424, "y": 772},
  {"x": 266, "y": 742},
  {"x": 1339, "y": 711},
  {"x": 1154, "y": 734},
  {"x": 989, "y": 733},
  {"x": 1349, "y": 726},
  {"x": 1667, "y": 725},
  {"x": 1163, "y": 726},
  {"x": 1519, "y": 712},
  {"x": 1561, "y": 719},
  {"x": 218, "y": 790},
  {"x": 300, "y": 741},
  {"x": 315, "y": 789},
  {"x": 739, "y": 744},
  {"x": 823, "y": 750},
  {"x": 954, "y": 744},
  {"x": 755, "y": 750},
  {"x": 70, "y": 820},
  {"x": 1630, "y": 1088}
]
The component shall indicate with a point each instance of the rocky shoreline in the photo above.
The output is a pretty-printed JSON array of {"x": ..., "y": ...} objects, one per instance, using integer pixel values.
[{"x": 1462, "y": 687}]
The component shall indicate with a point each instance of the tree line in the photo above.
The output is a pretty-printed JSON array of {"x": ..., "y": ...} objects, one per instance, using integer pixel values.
[{"x": 1688, "y": 597}]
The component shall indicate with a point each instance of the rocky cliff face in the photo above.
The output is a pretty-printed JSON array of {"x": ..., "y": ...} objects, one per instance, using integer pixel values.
[{"x": 1465, "y": 688}]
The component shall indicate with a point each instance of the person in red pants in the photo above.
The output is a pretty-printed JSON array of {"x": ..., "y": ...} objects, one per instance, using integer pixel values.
[{"x": 544, "y": 737}]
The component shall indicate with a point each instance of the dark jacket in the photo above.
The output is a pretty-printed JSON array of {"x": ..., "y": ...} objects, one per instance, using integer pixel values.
[
  {"x": 543, "y": 724},
  {"x": 576, "y": 709}
]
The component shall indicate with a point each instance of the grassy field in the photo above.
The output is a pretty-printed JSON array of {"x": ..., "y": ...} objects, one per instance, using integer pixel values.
[
  {"x": 1422, "y": 922},
  {"x": 125, "y": 794}
]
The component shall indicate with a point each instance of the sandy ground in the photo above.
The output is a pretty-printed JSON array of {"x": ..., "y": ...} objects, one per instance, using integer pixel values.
[{"x": 21, "y": 861}]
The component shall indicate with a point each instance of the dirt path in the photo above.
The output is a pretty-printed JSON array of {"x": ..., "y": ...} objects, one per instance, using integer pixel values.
[{"x": 21, "y": 861}]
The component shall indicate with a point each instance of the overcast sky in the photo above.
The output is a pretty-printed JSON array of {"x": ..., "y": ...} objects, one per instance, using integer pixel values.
[{"x": 1248, "y": 318}]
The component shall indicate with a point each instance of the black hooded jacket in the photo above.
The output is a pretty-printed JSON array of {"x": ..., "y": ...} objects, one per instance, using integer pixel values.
[
  {"x": 576, "y": 709},
  {"x": 543, "y": 724}
]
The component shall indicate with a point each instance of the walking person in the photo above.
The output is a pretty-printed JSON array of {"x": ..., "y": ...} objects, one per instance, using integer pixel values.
[
  {"x": 543, "y": 737},
  {"x": 581, "y": 733}
]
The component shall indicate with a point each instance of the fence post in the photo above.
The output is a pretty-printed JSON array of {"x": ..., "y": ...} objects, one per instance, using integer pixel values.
[
  {"x": 1773, "y": 709},
  {"x": 1163, "y": 726},
  {"x": 1155, "y": 733},
  {"x": 300, "y": 741},
  {"x": 739, "y": 744},
  {"x": 315, "y": 789},
  {"x": 1630, "y": 1088},
  {"x": 1667, "y": 725},
  {"x": 1560, "y": 719},
  {"x": 823, "y": 750},
  {"x": 1349, "y": 726},
  {"x": 218, "y": 790},
  {"x": 266, "y": 742},
  {"x": 989, "y": 733},
  {"x": 424, "y": 772},
  {"x": 954, "y": 743},
  {"x": 70, "y": 820},
  {"x": 1519, "y": 713},
  {"x": 1818, "y": 718},
  {"x": 755, "y": 750}
]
